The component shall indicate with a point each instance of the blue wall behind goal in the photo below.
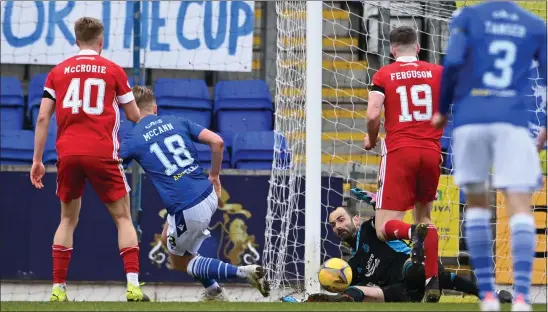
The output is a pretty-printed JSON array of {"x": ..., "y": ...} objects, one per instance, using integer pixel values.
[{"x": 29, "y": 217}]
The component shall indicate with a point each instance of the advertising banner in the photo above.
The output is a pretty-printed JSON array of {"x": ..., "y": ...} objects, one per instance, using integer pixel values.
[{"x": 191, "y": 35}]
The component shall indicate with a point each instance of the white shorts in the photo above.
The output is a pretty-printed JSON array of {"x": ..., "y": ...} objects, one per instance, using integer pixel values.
[
  {"x": 187, "y": 229},
  {"x": 505, "y": 148}
]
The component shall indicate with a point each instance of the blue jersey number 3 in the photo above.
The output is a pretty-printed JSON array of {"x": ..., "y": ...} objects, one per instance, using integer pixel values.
[
  {"x": 503, "y": 64},
  {"x": 176, "y": 146}
]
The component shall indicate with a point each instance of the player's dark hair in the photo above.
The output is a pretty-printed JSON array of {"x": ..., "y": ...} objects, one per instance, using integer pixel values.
[
  {"x": 403, "y": 35},
  {"x": 88, "y": 29},
  {"x": 143, "y": 96}
]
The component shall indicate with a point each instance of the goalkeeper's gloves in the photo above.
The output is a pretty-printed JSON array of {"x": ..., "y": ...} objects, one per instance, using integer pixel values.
[{"x": 368, "y": 197}]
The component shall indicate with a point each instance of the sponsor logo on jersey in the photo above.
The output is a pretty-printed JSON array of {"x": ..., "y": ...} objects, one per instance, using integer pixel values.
[
  {"x": 186, "y": 171},
  {"x": 372, "y": 265}
]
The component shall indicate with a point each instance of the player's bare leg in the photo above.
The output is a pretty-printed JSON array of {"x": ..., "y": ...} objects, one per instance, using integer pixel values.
[
  {"x": 129, "y": 247},
  {"x": 216, "y": 269},
  {"x": 396, "y": 229},
  {"x": 522, "y": 227},
  {"x": 212, "y": 291},
  {"x": 478, "y": 240},
  {"x": 427, "y": 236},
  {"x": 62, "y": 247}
]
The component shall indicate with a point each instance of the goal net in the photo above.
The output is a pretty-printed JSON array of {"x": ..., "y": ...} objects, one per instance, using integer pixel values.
[{"x": 355, "y": 46}]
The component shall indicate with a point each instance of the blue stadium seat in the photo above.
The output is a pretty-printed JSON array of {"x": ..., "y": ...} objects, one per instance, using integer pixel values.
[
  {"x": 187, "y": 98},
  {"x": 204, "y": 156},
  {"x": 255, "y": 150},
  {"x": 12, "y": 106},
  {"x": 17, "y": 148},
  {"x": 36, "y": 90},
  {"x": 241, "y": 106}
]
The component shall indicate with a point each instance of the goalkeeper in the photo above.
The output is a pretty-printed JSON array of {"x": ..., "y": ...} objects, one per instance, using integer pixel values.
[{"x": 383, "y": 271}]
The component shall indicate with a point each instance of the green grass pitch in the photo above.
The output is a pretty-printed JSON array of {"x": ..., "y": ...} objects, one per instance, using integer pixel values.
[{"x": 240, "y": 306}]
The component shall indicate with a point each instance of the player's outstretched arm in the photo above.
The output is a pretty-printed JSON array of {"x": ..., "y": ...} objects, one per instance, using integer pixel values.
[
  {"x": 47, "y": 107},
  {"x": 373, "y": 123},
  {"x": 133, "y": 113},
  {"x": 217, "y": 147}
]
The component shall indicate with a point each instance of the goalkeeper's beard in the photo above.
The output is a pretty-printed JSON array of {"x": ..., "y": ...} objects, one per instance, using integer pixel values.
[{"x": 350, "y": 234}]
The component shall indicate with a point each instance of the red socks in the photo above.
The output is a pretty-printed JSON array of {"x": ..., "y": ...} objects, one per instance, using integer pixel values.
[
  {"x": 431, "y": 252},
  {"x": 61, "y": 259},
  {"x": 130, "y": 256},
  {"x": 396, "y": 229}
]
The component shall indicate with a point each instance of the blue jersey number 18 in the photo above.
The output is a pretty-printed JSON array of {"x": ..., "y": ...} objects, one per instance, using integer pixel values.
[{"x": 176, "y": 146}]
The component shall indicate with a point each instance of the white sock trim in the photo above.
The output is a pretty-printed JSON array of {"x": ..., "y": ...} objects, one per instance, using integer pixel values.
[
  {"x": 474, "y": 213},
  {"x": 522, "y": 218},
  {"x": 133, "y": 279},
  {"x": 190, "y": 265}
]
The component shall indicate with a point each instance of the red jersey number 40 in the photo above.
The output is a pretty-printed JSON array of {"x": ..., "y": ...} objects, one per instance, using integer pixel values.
[
  {"x": 421, "y": 95},
  {"x": 72, "y": 98}
]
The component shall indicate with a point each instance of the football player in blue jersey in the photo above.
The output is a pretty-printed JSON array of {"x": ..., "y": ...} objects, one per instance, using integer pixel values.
[
  {"x": 164, "y": 147},
  {"x": 485, "y": 76}
]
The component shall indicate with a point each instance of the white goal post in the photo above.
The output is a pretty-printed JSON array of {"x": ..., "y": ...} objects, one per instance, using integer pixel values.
[{"x": 327, "y": 154}]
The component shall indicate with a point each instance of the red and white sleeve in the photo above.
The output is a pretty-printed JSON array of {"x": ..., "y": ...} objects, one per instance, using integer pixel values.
[
  {"x": 123, "y": 89},
  {"x": 378, "y": 84},
  {"x": 49, "y": 89}
]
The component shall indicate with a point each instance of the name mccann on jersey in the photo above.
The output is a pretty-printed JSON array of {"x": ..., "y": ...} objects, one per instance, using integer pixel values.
[
  {"x": 157, "y": 131},
  {"x": 410, "y": 74},
  {"x": 85, "y": 68}
]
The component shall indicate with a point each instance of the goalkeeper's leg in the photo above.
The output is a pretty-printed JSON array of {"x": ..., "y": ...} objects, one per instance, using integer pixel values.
[
  {"x": 450, "y": 280},
  {"x": 360, "y": 294}
]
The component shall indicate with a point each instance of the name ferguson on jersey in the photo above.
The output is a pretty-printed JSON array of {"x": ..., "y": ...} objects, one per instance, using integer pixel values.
[
  {"x": 85, "y": 68},
  {"x": 411, "y": 74}
]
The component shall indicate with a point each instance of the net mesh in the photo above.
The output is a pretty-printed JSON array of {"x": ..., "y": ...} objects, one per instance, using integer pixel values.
[{"x": 355, "y": 46}]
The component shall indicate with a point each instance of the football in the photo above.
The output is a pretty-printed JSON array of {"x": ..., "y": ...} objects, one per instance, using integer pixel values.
[{"x": 335, "y": 275}]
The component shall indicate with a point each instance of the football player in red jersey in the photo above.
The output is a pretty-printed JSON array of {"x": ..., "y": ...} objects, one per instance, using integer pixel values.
[
  {"x": 84, "y": 91},
  {"x": 411, "y": 152}
]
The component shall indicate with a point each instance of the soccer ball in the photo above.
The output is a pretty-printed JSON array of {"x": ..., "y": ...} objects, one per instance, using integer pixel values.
[{"x": 335, "y": 275}]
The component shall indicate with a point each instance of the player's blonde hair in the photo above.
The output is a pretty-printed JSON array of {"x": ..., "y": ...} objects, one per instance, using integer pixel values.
[
  {"x": 88, "y": 29},
  {"x": 143, "y": 96}
]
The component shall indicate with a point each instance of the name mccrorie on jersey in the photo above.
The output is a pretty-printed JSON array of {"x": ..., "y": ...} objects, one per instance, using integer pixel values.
[{"x": 85, "y": 68}]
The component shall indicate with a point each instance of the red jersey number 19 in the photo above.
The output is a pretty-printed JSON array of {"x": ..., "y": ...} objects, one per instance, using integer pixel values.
[
  {"x": 72, "y": 98},
  {"x": 416, "y": 100}
]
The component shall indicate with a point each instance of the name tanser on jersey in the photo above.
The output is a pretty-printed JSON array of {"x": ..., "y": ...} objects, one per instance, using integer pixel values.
[
  {"x": 411, "y": 74},
  {"x": 505, "y": 29},
  {"x": 85, "y": 68},
  {"x": 157, "y": 131}
]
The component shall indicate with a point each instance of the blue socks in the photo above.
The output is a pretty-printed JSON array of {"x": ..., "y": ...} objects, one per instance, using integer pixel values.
[
  {"x": 523, "y": 229},
  {"x": 208, "y": 268},
  {"x": 479, "y": 243}
]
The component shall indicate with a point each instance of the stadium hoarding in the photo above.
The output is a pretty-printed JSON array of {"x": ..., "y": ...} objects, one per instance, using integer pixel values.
[
  {"x": 29, "y": 217},
  {"x": 189, "y": 35},
  {"x": 503, "y": 255}
]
